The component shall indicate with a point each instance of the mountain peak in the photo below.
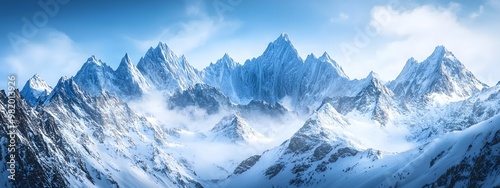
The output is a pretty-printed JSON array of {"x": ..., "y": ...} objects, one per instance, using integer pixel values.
[
  {"x": 125, "y": 61},
  {"x": 325, "y": 56},
  {"x": 281, "y": 47},
  {"x": 441, "y": 73},
  {"x": 439, "y": 54},
  {"x": 372, "y": 75},
  {"x": 311, "y": 56},
  {"x": 327, "y": 59},
  {"x": 226, "y": 60},
  {"x": 440, "y": 50},
  {"x": 163, "y": 46},
  {"x": 34, "y": 88},
  {"x": 283, "y": 36},
  {"x": 226, "y": 57},
  {"x": 234, "y": 128},
  {"x": 161, "y": 53},
  {"x": 93, "y": 60}
]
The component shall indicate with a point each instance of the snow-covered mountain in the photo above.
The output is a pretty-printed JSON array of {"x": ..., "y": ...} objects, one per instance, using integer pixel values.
[
  {"x": 221, "y": 75},
  {"x": 96, "y": 78},
  {"x": 316, "y": 156},
  {"x": 373, "y": 99},
  {"x": 34, "y": 89},
  {"x": 276, "y": 120},
  {"x": 167, "y": 72},
  {"x": 440, "y": 76},
  {"x": 234, "y": 128},
  {"x": 90, "y": 140}
]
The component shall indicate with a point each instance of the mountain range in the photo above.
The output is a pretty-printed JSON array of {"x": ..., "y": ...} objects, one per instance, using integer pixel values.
[{"x": 276, "y": 120}]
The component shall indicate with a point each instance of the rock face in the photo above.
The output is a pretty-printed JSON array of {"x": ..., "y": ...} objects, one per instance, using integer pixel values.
[
  {"x": 71, "y": 139},
  {"x": 32, "y": 152},
  {"x": 201, "y": 96}
]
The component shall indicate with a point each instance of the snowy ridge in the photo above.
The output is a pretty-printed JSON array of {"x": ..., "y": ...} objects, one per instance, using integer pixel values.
[{"x": 275, "y": 120}]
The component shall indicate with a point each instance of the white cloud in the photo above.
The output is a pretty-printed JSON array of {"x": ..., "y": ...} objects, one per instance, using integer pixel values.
[
  {"x": 186, "y": 36},
  {"x": 415, "y": 33},
  {"x": 53, "y": 56},
  {"x": 341, "y": 17},
  {"x": 478, "y": 13}
]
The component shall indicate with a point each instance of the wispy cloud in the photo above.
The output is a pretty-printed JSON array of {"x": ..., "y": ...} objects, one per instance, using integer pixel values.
[
  {"x": 339, "y": 18},
  {"x": 477, "y": 13},
  {"x": 415, "y": 32},
  {"x": 185, "y": 36},
  {"x": 53, "y": 56},
  {"x": 190, "y": 33}
]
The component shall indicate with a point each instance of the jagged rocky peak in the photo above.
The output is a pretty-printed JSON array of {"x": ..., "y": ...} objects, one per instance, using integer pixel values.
[
  {"x": 162, "y": 52},
  {"x": 374, "y": 79},
  {"x": 95, "y": 76},
  {"x": 234, "y": 128},
  {"x": 221, "y": 68},
  {"x": 65, "y": 87},
  {"x": 328, "y": 64},
  {"x": 37, "y": 83},
  {"x": 442, "y": 52},
  {"x": 329, "y": 114},
  {"x": 166, "y": 71},
  {"x": 373, "y": 75},
  {"x": 35, "y": 88},
  {"x": 227, "y": 61},
  {"x": 326, "y": 58},
  {"x": 125, "y": 63},
  {"x": 93, "y": 64},
  {"x": 129, "y": 80},
  {"x": 126, "y": 67},
  {"x": 321, "y": 127},
  {"x": 281, "y": 48},
  {"x": 441, "y": 74},
  {"x": 93, "y": 60}
]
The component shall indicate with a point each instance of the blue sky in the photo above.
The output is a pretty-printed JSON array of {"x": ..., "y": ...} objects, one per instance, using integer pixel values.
[{"x": 361, "y": 36}]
